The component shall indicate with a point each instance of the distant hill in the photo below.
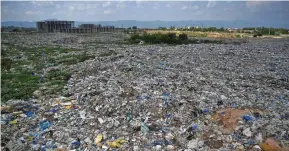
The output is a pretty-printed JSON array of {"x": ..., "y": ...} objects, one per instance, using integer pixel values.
[
  {"x": 156, "y": 24},
  {"x": 25, "y": 24}
]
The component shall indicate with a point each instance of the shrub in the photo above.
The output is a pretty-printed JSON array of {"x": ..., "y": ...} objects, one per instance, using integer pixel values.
[
  {"x": 183, "y": 37},
  {"x": 172, "y": 35},
  {"x": 6, "y": 63},
  {"x": 170, "y": 38}
]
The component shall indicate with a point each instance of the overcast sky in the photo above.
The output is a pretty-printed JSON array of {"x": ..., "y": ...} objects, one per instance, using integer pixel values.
[{"x": 140, "y": 10}]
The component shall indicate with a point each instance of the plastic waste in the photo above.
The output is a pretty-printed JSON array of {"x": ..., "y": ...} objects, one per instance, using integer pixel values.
[
  {"x": 247, "y": 132},
  {"x": 247, "y": 118},
  {"x": 44, "y": 125},
  {"x": 117, "y": 143},
  {"x": 161, "y": 142},
  {"x": 100, "y": 120},
  {"x": 128, "y": 116},
  {"x": 194, "y": 127},
  {"x": 29, "y": 114},
  {"x": 144, "y": 128},
  {"x": 13, "y": 122},
  {"x": 75, "y": 144},
  {"x": 98, "y": 139},
  {"x": 82, "y": 114}
]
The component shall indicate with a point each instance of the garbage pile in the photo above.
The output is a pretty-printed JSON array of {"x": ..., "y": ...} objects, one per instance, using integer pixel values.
[{"x": 159, "y": 97}]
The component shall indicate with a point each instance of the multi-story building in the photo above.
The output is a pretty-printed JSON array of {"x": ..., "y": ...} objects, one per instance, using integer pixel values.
[
  {"x": 68, "y": 27},
  {"x": 54, "y": 26}
]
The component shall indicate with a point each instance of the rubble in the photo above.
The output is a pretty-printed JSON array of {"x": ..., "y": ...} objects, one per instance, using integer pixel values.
[{"x": 161, "y": 97}]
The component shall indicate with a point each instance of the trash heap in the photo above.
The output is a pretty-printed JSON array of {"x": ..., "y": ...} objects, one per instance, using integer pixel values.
[{"x": 159, "y": 97}]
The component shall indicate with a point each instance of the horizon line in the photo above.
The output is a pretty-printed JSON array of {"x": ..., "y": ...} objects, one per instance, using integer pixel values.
[{"x": 124, "y": 20}]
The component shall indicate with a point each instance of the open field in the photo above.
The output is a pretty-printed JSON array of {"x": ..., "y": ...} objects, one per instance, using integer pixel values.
[
  {"x": 147, "y": 96},
  {"x": 221, "y": 35},
  {"x": 204, "y": 34}
]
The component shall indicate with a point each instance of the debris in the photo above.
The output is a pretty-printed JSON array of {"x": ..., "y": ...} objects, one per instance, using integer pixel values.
[
  {"x": 44, "y": 125},
  {"x": 193, "y": 144},
  {"x": 201, "y": 97},
  {"x": 259, "y": 138},
  {"x": 229, "y": 118},
  {"x": 117, "y": 143},
  {"x": 100, "y": 120},
  {"x": 144, "y": 128},
  {"x": 247, "y": 132},
  {"x": 98, "y": 139},
  {"x": 247, "y": 118},
  {"x": 270, "y": 145}
]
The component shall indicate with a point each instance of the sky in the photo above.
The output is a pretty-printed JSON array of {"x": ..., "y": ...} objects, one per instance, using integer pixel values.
[{"x": 145, "y": 10}]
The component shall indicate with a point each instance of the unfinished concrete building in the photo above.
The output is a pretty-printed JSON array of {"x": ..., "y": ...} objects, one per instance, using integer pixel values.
[
  {"x": 68, "y": 27},
  {"x": 54, "y": 26}
]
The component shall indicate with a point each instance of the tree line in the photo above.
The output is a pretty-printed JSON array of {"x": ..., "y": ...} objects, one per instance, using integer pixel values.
[{"x": 250, "y": 30}]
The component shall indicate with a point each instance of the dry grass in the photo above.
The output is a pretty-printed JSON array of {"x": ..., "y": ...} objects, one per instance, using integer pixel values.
[{"x": 202, "y": 34}]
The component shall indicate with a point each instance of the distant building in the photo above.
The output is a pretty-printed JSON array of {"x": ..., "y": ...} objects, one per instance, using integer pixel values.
[
  {"x": 54, "y": 26},
  {"x": 68, "y": 27}
]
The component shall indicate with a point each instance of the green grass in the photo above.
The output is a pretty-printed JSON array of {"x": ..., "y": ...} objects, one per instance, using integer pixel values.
[
  {"x": 169, "y": 38},
  {"x": 74, "y": 59},
  {"x": 18, "y": 85},
  {"x": 57, "y": 75},
  {"x": 17, "y": 81}
]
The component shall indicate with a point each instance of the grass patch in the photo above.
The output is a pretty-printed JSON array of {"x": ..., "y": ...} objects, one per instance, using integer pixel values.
[
  {"x": 169, "y": 38},
  {"x": 107, "y": 53},
  {"x": 6, "y": 63},
  {"x": 74, "y": 59},
  {"x": 18, "y": 85},
  {"x": 57, "y": 75},
  {"x": 17, "y": 78}
]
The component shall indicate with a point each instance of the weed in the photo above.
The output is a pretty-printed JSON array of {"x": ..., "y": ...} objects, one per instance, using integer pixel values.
[{"x": 108, "y": 53}]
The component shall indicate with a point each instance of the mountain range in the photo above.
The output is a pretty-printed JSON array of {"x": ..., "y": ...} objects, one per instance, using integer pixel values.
[{"x": 158, "y": 23}]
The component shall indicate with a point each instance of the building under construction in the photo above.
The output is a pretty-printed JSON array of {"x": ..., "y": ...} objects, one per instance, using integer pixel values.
[{"x": 68, "y": 27}]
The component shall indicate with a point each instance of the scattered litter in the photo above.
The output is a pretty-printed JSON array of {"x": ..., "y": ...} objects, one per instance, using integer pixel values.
[{"x": 152, "y": 97}]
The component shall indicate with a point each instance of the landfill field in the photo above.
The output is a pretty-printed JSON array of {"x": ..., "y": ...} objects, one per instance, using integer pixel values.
[{"x": 94, "y": 92}]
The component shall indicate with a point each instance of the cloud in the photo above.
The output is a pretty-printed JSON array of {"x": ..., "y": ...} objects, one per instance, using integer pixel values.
[
  {"x": 59, "y": 13},
  {"x": 168, "y": 6},
  {"x": 58, "y": 6},
  {"x": 71, "y": 8},
  {"x": 90, "y": 13},
  {"x": 121, "y": 5},
  {"x": 32, "y": 12},
  {"x": 106, "y": 4},
  {"x": 93, "y": 5},
  {"x": 255, "y": 4},
  {"x": 184, "y": 7},
  {"x": 138, "y": 4},
  {"x": 108, "y": 12},
  {"x": 211, "y": 4},
  {"x": 82, "y": 7},
  {"x": 42, "y": 3},
  {"x": 195, "y": 7},
  {"x": 156, "y": 5}
]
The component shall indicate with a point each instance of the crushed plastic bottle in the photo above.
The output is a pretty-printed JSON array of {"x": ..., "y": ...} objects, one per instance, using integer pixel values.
[{"x": 44, "y": 125}]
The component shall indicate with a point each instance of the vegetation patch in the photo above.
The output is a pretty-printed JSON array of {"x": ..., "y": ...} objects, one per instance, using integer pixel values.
[
  {"x": 21, "y": 70},
  {"x": 168, "y": 38},
  {"x": 108, "y": 53},
  {"x": 18, "y": 85},
  {"x": 74, "y": 59}
]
